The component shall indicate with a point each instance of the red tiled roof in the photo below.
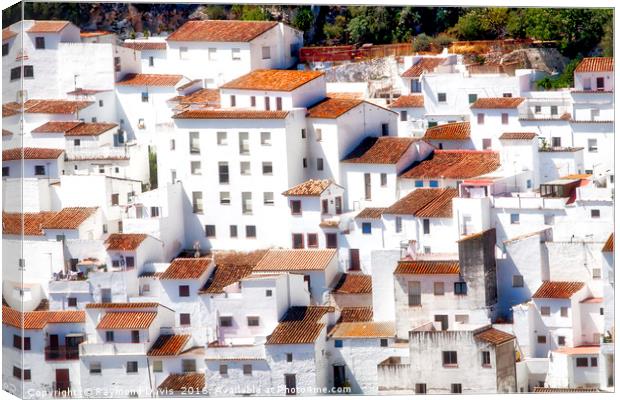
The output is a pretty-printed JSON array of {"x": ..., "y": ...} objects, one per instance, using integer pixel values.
[
  {"x": 408, "y": 101},
  {"x": 354, "y": 284},
  {"x": 189, "y": 381},
  {"x": 332, "y": 107},
  {"x": 44, "y": 106},
  {"x": 127, "y": 320},
  {"x": 370, "y": 213},
  {"x": 557, "y": 290},
  {"x": 7, "y": 34},
  {"x": 123, "y": 305},
  {"x": 450, "y": 131},
  {"x": 32, "y": 223},
  {"x": 518, "y": 136},
  {"x": 278, "y": 80},
  {"x": 428, "y": 267},
  {"x": 230, "y": 114},
  {"x": 355, "y": 314},
  {"x": 345, "y": 95},
  {"x": 425, "y": 64},
  {"x": 10, "y": 109},
  {"x": 168, "y": 345},
  {"x": 125, "y": 241},
  {"x": 579, "y": 350},
  {"x": 150, "y": 80},
  {"x": 494, "y": 336},
  {"x": 609, "y": 244},
  {"x": 48, "y": 26},
  {"x": 379, "y": 150},
  {"x": 225, "y": 275},
  {"x": 596, "y": 64},
  {"x": 455, "y": 164},
  {"x": 425, "y": 202},
  {"x": 300, "y": 325},
  {"x": 365, "y": 329},
  {"x": 56, "y": 127},
  {"x": 69, "y": 218},
  {"x": 311, "y": 187},
  {"x": 564, "y": 390},
  {"x": 186, "y": 268},
  {"x": 296, "y": 260},
  {"x": 498, "y": 102},
  {"x": 88, "y": 34},
  {"x": 145, "y": 45},
  {"x": 39, "y": 319},
  {"x": 31, "y": 153},
  {"x": 221, "y": 31},
  {"x": 90, "y": 129},
  {"x": 210, "y": 97}
]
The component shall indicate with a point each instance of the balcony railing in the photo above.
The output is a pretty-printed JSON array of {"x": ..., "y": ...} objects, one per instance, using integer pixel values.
[{"x": 62, "y": 353}]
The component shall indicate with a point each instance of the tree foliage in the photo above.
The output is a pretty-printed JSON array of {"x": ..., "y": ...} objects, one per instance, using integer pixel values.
[
  {"x": 304, "y": 19},
  {"x": 563, "y": 80}
]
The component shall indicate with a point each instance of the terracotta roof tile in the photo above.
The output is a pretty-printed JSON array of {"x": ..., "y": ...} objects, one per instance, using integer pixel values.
[
  {"x": 425, "y": 64},
  {"x": 127, "y": 320},
  {"x": 56, "y": 127},
  {"x": 494, "y": 336},
  {"x": 221, "y": 31},
  {"x": 230, "y": 114},
  {"x": 427, "y": 267},
  {"x": 278, "y": 80},
  {"x": 32, "y": 223},
  {"x": 408, "y": 101},
  {"x": 557, "y": 290},
  {"x": 579, "y": 350},
  {"x": 379, "y": 150},
  {"x": 206, "y": 97},
  {"x": 311, "y": 187},
  {"x": 47, "y": 26},
  {"x": 596, "y": 64},
  {"x": 150, "y": 80},
  {"x": 189, "y": 381},
  {"x": 44, "y": 106},
  {"x": 425, "y": 202},
  {"x": 355, "y": 314},
  {"x": 123, "y": 305},
  {"x": 69, "y": 218},
  {"x": 125, "y": 241},
  {"x": 226, "y": 258},
  {"x": 31, "y": 153},
  {"x": 168, "y": 345},
  {"x": 450, "y": 131},
  {"x": 7, "y": 34},
  {"x": 224, "y": 276},
  {"x": 370, "y": 213},
  {"x": 296, "y": 260},
  {"x": 354, "y": 284},
  {"x": 518, "y": 136},
  {"x": 141, "y": 46},
  {"x": 332, "y": 108},
  {"x": 186, "y": 268},
  {"x": 39, "y": 319},
  {"x": 497, "y": 102},
  {"x": 345, "y": 95},
  {"x": 89, "y": 34},
  {"x": 6, "y": 133},
  {"x": 10, "y": 109},
  {"x": 90, "y": 129},
  {"x": 609, "y": 244},
  {"x": 300, "y": 325},
  {"x": 564, "y": 390},
  {"x": 455, "y": 164},
  {"x": 367, "y": 329}
]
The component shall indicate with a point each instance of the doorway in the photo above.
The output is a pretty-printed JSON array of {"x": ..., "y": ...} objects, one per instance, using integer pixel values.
[
  {"x": 290, "y": 382},
  {"x": 339, "y": 376},
  {"x": 62, "y": 380},
  {"x": 354, "y": 256}
]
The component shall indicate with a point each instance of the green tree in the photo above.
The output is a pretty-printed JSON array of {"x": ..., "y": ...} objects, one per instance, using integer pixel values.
[
  {"x": 215, "y": 12},
  {"x": 370, "y": 25},
  {"x": 303, "y": 19},
  {"x": 406, "y": 23},
  {"x": 607, "y": 42},
  {"x": 422, "y": 42},
  {"x": 336, "y": 31},
  {"x": 254, "y": 13},
  {"x": 563, "y": 80}
]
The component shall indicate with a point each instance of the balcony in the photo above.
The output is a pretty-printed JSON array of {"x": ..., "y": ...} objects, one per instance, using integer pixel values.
[
  {"x": 62, "y": 353},
  {"x": 97, "y": 153},
  {"x": 111, "y": 349},
  {"x": 217, "y": 351}
]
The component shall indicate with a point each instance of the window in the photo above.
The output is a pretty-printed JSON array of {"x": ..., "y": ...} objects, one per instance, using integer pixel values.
[
  {"x": 194, "y": 143},
  {"x": 17, "y": 341},
  {"x": 39, "y": 169},
  {"x": 295, "y": 207},
  {"x": 77, "y": 142},
  {"x": 223, "y": 172},
  {"x": 114, "y": 199},
  {"x": 561, "y": 341},
  {"x": 236, "y": 54},
  {"x": 246, "y": 202},
  {"x": 419, "y": 184},
  {"x": 593, "y": 361},
  {"x": 517, "y": 281},
  {"x": 461, "y": 318},
  {"x": 5, "y": 49},
  {"x": 5, "y": 171},
  {"x": 319, "y": 134},
  {"x": 267, "y": 168},
  {"x": 592, "y": 146},
  {"x": 438, "y": 288},
  {"x": 303, "y": 133},
  {"x": 596, "y": 273},
  {"x": 319, "y": 164},
  {"x": 184, "y": 319},
  {"x": 564, "y": 311},
  {"x": 223, "y": 369},
  {"x": 298, "y": 240},
  {"x": 197, "y": 202},
  {"x": 145, "y": 97},
  {"x": 289, "y": 357},
  {"x": 233, "y": 100},
  {"x": 94, "y": 368},
  {"x": 266, "y": 52},
  {"x": 594, "y": 213},
  {"x": 420, "y": 388},
  {"x": 480, "y": 118},
  {"x": 278, "y": 103},
  {"x": 383, "y": 343},
  {"x": 556, "y": 142},
  {"x": 383, "y": 179},
  {"x": 132, "y": 367},
  {"x": 338, "y": 343},
  {"x": 537, "y": 109},
  {"x": 253, "y": 321},
  {"x": 225, "y": 198},
  {"x": 183, "y": 53},
  {"x": 212, "y": 54},
  {"x": 267, "y": 103},
  {"x": 28, "y": 71},
  {"x": 244, "y": 143},
  {"x": 226, "y": 321},
  {"x": 541, "y": 339},
  {"x": 554, "y": 110},
  {"x": 233, "y": 231},
  {"x": 222, "y": 139},
  {"x": 265, "y": 138},
  {"x": 151, "y": 61},
  {"x": 195, "y": 168},
  {"x": 514, "y": 219},
  {"x": 504, "y": 118},
  {"x": 449, "y": 358},
  {"x": 582, "y": 361},
  {"x": 332, "y": 240},
  {"x": 268, "y": 293},
  {"x": 313, "y": 240},
  {"x": 324, "y": 206},
  {"x": 304, "y": 162},
  {"x": 210, "y": 231},
  {"x": 594, "y": 114},
  {"x": 426, "y": 226},
  {"x": 403, "y": 115},
  {"x": 441, "y": 97},
  {"x": 414, "y": 293},
  {"x": 250, "y": 231},
  {"x": 141, "y": 124},
  {"x": 268, "y": 198},
  {"x": 16, "y": 73},
  {"x": 472, "y": 97},
  {"x": 385, "y": 129},
  {"x": 72, "y": 301},
  {"x": 486, "y": 359},
  {"x": 247, "y": 369},
  {"x": 399, "y": 224},
  {"x": 117, "y": 64},
  {"x": 507, "y": 95},
  {"x": 366, "y": 228},
  {"x": 456, "y": 388},
  {"x": 252, "y": 101},
  {"x": 183, "y": 290},
  {"x": 546, "y": 311},
  {"x": 600, "y": 83},
  {"x": 460, "y": 288},
  {"x": 109, "y": 336},
  {"x": 17, "y": 372}
]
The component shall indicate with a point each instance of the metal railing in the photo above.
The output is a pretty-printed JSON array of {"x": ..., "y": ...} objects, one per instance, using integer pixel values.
[{"x": 62, "y": 353}]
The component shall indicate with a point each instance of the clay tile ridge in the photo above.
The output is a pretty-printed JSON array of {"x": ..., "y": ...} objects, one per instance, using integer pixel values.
[
  {"x": 48, "y": 26},
  {"x": 311, "y": 187},
  {"x": 557, "y": 290},
  {"x": 186, "y": 268},
  {"x": 331, "y": 108},
  {"x": 379, "y": 150},
  {"x": 497, "y": 102},
  {"x": 450, "y": 131},
  {"x": 408, "y": 101},
  {"x": 278, "y": 80}
]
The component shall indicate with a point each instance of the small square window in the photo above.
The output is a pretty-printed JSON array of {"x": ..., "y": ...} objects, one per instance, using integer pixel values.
[
  {"x": 236, "y": 54},
  {"x": 480, "y": 118},
  {"x": 546, "y": 311},
  {"x": 517, "y": 281},
  {"x": 383, "y": 180},
  {"x": 514, "y": 219},
  {"x": 596, "y": 273},
  {"x": 460, "y": 288},
  {"x": 420, "y": 388},
  {"x": 184, "y": 319},
  {"x": 561, "y": 341},
  {"x": 225, "y": 198},
  {"x": 504, "y": 118},
  {"x": 210, "y": 231},
  {"x": 313, "y": 240},
  {"x": 419, "y": 184},
  {"x": 265, "y": 138},
  {"x": 268, "y": 293},
  {"x": 289, "y": 357},
  {"x": 94, "y": 368},
  {"x": 222, "y": 139},
  {"x": 250, "y": 231},
  {"x": 72, "y": 301},
  {"x": 158, "y": 366},
  {"x": 593, "y": 362},
  {"x": 132, "y": 367},
  {"x": 266, "y": 52},
  {"x": 541, "y": 339},
  {"x": 383, "y": 343},
  {"x": 247, "y": 369},
  {"x": 594, "y": 213},
  {"x": 554, "y": 110},
  {"x": 226, "y": 321},
  {"x": 253, "y": 321},
  {"x": 366, "y": 228},
  {"x": 456, "y": 388},
  {"x": 338, "y": 343},
  {"x": 441, "y": 97},
  {"x": 223, "y": 369},
  {"x": 295, "y": 207},
  {"x": 582, "y": 362},
  {"x": 486, "y": 359},
  {"x": 145, "y": 97},
  {"x": 267, "y": 168},
  {"x": 433, "y": 184},
  {"x": 183, "y": 290},
  {"x": 109, "y": 336},
  {"x": 268, "y": 198},
  {"x": 537, "y": 109},
  {"x": 39, "y": 169},
  {"x": 472, "y": 97},
  {"x": 564, "y": 311},
  {"x": 233, "y": 231},
  {"x": 438, "y": 288}
]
